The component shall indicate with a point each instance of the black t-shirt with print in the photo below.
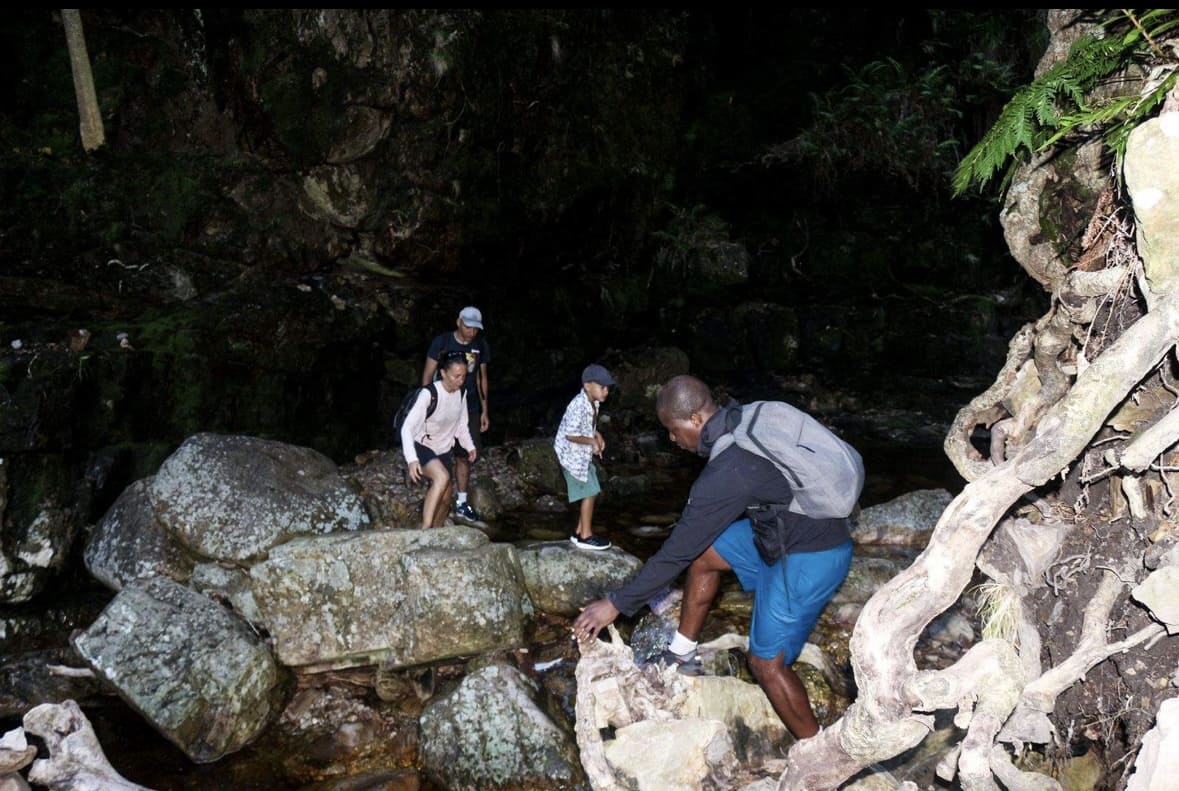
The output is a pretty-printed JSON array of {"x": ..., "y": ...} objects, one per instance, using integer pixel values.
[{"x": 477, "y": 353}]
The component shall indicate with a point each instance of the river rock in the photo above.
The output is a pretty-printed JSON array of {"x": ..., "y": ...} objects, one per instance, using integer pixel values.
[
  {"x": 129, "y": 544},
  {"x": 562, "y": 578},
  {"x": 234, "y": 498},
  {"x": 491, "y": 733},
  {"x": 908, "y": 519},
  {"x": 197, "y": 673},
  {"x": 394, "y": 597}
]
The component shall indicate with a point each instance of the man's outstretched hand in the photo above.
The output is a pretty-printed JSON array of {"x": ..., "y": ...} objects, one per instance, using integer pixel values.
[{"x": 594, "y": 617}]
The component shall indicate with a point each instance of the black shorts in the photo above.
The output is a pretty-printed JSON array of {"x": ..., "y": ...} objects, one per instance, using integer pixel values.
[{"x": 426, "y": 455}]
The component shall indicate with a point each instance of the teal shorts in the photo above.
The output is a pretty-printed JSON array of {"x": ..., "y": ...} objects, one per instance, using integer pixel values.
[
  {"x": 789, "y": 595},
  {"x": 579, "y": 490}
]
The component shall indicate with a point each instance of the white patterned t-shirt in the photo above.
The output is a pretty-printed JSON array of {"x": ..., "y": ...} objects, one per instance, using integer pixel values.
[{"x": 578, "y": 421}]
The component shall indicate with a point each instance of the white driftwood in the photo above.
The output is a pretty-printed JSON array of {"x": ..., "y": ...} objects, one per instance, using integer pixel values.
[
  {"x": 613, "y": 692},
  {"x": 76, "y": 761}
]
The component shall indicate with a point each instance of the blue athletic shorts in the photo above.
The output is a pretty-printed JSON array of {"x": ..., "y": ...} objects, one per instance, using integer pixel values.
[
  {"x": 579, "y": 490},
  {"x": 789, "y": 595}
]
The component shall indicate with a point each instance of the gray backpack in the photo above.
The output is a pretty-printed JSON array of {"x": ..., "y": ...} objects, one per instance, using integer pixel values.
[{"x": 826, "y": 473}]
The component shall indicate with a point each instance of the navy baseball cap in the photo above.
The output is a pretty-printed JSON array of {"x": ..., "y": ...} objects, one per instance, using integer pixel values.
[{"x": 596, "y": 373}]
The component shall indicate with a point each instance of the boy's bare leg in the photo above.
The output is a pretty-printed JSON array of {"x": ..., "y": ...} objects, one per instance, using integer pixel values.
[
  {"x": 787, "y": 695},
  {"x": 700, "y": 589},
  {"x": 439, "y": 489},
  {"x": 585, "y": 522}
]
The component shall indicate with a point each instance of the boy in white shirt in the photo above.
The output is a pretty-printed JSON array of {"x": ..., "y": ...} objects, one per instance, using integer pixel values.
[
  {"x": 577, "y": 442},
  {"x": 427, "y": 440}
]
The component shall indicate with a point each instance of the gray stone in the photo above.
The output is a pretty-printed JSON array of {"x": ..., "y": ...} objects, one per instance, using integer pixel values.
[
  {"x": 1159, "y": 592},
  {"x": 908, "y": 519},
  {"x": 491, "y": 733},
  {"x": 233, "y": 498},
  {"x": 198, "y": 674},
  {"x": 1152, "y": 178},
  {"x": 336, "y": 193},
  {"x": 702, "y": 750},
  {"x": 129, "y": 544},
  {"x": 1157, "y": 764},
  {"x": 227, "y": 584},
  {"x": 535, "y": 462},
  {"x": 864, "y": 578},
  {"x": 562, "y": 578},
  {"x": 395, "y": 597}
]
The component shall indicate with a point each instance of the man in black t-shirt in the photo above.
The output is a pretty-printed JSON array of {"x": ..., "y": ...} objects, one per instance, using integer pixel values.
[{"x": 466, "y": 338}]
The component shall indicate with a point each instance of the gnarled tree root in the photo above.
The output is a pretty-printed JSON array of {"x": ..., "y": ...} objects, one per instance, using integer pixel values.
[{"x": 886, "y": 719}]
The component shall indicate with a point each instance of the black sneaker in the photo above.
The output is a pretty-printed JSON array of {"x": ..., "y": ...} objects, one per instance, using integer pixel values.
[
  {"x": 466, "y": 514},
  {"x": 686, "y": 664},
  {"x": 596, "y": 543}
]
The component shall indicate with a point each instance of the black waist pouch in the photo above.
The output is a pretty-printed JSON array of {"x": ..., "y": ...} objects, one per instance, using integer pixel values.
[{"x": 769, "y": 534}]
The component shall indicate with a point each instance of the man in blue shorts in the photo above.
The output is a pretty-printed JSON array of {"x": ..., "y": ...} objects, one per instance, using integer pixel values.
[{"x": 714, "y": 534}]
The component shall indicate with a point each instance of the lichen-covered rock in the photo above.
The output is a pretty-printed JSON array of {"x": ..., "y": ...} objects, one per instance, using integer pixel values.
[
  {"x": 197, "y": 673},
  {"x": 396, "y": 597},
  {"x": 233, "y": 498},
  {"x": 562, "y": 578},
  {"x": 907, "y": 519},
  {"x": 129, "y": 543},
  {"x": 491, "y": 733},
  {"x": 536, "y": 463}
]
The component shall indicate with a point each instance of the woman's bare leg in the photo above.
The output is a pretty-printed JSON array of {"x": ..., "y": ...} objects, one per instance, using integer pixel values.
[{"x": 439, "y": 477}]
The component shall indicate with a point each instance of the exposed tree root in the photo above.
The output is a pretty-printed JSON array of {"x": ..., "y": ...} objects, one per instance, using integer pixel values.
[{"x": 888, "y": 717}]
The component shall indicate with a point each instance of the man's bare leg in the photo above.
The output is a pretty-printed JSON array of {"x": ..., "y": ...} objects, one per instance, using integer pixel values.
[
  {"x": 700, "y": 589},
  {"x": 787, "y": 695},
  {"x": 462, "y": 469}
]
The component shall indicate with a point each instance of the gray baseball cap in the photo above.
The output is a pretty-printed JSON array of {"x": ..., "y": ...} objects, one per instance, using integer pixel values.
[{"x": 471, "y": 316}]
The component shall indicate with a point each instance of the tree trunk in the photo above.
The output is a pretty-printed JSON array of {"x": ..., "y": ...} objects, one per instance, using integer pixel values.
[{"x": 90, "y": 118}]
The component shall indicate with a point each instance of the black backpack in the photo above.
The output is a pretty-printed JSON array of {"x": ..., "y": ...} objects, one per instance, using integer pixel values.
[{"x": 407, "y": 403}]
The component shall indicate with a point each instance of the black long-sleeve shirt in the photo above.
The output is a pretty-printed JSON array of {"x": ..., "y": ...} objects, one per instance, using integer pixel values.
[{"x": 727, "y": 487}]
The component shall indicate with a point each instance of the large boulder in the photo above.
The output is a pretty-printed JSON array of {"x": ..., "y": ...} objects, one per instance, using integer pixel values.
[
  {"x": 233, "y": 498},
  {"x": 394, "y": 597},
  {"x": 908, "y": 519},
  {"x": 492, "y": 733},
  {"x": 196, "y": 672},
  {"x": 129, "y": 544},
  {"x": 562, "y": 578}
]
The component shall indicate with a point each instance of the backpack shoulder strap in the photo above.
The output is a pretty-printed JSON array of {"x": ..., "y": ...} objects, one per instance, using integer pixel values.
[{"x": 433, "y": 399}]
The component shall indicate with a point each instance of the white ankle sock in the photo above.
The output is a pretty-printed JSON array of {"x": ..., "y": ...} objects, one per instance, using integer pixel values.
[
  {"x": 681, "y": 645},
  {"x": 460, "y": 498}
]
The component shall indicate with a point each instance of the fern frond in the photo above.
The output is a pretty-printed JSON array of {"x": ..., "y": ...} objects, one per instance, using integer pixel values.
[{"x": 1054, "y": 106}]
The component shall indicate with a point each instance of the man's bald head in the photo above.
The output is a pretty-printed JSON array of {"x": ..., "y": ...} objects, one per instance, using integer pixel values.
[{"x": 682, "y": 397}]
